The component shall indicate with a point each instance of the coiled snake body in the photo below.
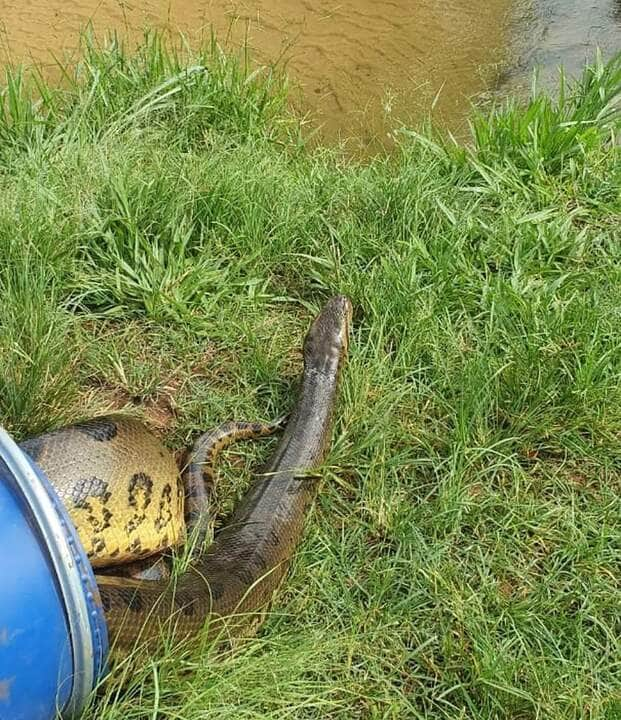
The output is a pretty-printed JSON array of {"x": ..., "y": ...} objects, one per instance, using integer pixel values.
[{"x": 236, "y": 576}]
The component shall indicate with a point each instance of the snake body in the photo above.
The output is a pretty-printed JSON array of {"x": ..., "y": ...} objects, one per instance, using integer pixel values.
[
  {"x": 120, "y": 485},
  {"x": 235, "y": 577}
]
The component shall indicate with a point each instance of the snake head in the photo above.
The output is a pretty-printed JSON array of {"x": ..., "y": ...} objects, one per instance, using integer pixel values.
[{"x": 326, "y": 343}]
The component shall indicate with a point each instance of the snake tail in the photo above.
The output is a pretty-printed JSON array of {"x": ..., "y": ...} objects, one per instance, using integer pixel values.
[{"x": 199, "y": 473}]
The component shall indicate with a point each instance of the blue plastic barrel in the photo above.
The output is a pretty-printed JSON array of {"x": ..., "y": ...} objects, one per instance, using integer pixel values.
[{"x": 53, "y": 635}]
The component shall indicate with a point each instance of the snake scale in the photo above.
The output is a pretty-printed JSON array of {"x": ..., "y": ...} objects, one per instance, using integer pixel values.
[{"x": 233, "y": 580}]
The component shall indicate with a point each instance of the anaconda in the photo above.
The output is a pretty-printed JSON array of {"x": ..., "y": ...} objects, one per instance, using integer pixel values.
[
  {"x": 123, "y": 489},
  {"x": 235, "y": 577}
]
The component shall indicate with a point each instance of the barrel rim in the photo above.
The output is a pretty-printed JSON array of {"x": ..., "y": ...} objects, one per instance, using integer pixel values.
[{"x": 69, "y": 563}]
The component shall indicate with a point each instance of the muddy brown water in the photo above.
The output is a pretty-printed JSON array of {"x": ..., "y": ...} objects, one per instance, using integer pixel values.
[{"x": 360, "y": 66}]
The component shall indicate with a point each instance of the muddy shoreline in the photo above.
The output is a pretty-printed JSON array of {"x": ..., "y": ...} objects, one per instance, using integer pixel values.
[{"x": 359, "y": 67}]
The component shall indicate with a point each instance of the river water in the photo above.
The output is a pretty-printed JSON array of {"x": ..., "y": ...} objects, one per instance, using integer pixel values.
[{"x": 358, "y": 66}]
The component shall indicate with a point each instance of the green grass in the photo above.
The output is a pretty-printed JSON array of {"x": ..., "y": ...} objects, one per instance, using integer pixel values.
[{"x": 165, "y": 238}]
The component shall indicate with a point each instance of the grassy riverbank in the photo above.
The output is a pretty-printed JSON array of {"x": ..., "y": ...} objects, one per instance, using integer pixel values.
[{"x": 165, "y": 238}]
